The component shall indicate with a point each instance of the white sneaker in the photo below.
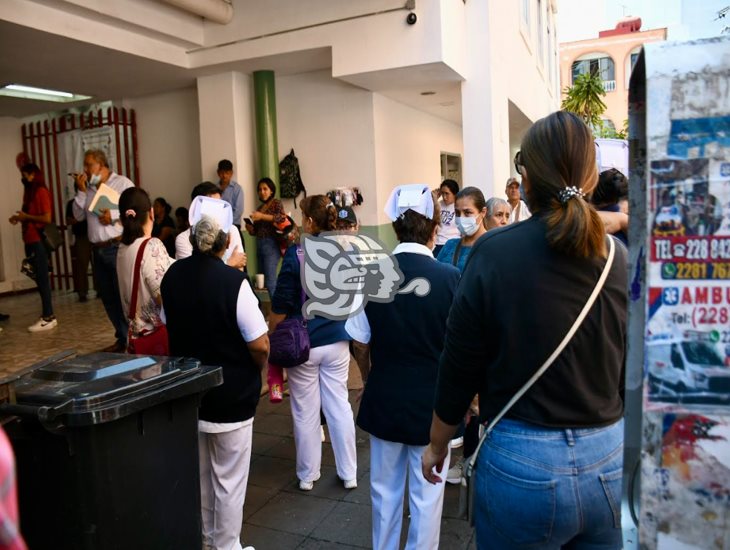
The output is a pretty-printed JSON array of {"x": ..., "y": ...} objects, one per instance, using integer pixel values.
[
  {"x": 308, "y": 485},
  {"x": 457, "y": 442},
  {"x": 43, "y": 324},
  {"x": 350, "y": 483},
  {"x": 455, "y": 473}
]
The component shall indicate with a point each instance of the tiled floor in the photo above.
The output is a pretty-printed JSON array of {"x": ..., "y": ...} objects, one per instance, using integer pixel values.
[
  {"x": 83, "y": 327},
  {"x": 276, "y": 514}
]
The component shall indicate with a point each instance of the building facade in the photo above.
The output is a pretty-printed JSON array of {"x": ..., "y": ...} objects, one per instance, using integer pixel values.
[
  {"x": 612, "y": 55},
  {"x": 365, "y": 96}
]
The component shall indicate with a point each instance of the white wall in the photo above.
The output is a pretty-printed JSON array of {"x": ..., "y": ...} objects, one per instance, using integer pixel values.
[
  {"x": 227, "y": 129},
  {"x": 12, "y": 251},
  {"x": 346, "y": 136},
  {"x": 330, "y": 126},
  {"x": 168, "y": 137},
  {"x": 408, "y": 146},
  {"x": 375, "y": 42}
]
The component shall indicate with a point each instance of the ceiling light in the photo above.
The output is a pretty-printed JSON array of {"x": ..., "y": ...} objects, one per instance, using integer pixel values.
[
  {"x": 428, "y": 93},
  {"x": 41, "y": 94}
]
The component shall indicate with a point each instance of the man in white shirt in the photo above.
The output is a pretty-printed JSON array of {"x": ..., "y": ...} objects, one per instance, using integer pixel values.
[
  {"x": 105, "y": 233},
  {"x": 520, "y": 212}
]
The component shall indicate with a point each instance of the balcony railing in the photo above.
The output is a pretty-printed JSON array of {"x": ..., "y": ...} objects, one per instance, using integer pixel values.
[{"x": 609, "y": 85}]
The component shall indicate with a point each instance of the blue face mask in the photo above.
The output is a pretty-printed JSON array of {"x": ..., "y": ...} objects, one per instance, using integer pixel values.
[{"x": 95, "y": 180}]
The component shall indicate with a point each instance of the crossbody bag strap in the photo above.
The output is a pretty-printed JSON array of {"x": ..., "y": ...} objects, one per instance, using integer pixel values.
[
  {"x": 550, "y": 360},
  {"x": 135, "y": 280},
  {"x": 300, "y": 258}
]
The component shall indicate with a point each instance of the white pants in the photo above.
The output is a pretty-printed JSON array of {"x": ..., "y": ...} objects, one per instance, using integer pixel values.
[
  {"x": 322, "y": 382},
  {"x": 224, "y": 464},
  {"x": 390, "y": 465}
]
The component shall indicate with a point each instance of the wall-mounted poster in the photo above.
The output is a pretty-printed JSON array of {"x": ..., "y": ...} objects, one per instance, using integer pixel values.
[
  {"x": 688, "y": 332},
  {"x": 681, "y": 293}
]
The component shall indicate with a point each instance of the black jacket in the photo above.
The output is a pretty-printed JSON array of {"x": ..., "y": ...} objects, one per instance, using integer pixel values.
[{"x": 516, "y": 301}]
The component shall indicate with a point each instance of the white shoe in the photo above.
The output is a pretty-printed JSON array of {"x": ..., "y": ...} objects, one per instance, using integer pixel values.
[
  {"x": 350, "y": 483},
  {"x": 308, "y": 485},
  {"x": 455, "y": 473},
  {"x": 43, "y": 324},
  {"x": 456, "y": 443}
]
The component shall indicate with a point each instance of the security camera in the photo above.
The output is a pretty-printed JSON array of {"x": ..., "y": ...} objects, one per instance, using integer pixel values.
[{"x": 411, "y": 18}]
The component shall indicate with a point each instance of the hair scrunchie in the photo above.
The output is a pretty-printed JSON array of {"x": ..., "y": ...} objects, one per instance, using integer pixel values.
[
  {"x": 568, "y": 193},
  {"x": 130, "y": 213}
]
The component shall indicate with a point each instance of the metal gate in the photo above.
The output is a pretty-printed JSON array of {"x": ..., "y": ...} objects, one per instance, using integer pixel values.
[{"x": 40, "y": 144}]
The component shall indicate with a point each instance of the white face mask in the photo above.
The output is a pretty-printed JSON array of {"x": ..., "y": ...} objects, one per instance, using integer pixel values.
[
  {"x": 467, "y": 226},
  {"x": 95, "y": 180}
]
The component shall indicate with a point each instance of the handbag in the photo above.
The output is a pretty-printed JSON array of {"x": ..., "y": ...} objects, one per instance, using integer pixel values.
[
  {"x": 467, "y": 483},
  {"x": 147, "y": 342},
  {"x": 51, "y": 237},
  {"x": 289, "y": 343}
]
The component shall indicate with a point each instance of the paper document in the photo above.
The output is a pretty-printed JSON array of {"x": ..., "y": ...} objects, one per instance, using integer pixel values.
[{"x": 106, "y": 198}]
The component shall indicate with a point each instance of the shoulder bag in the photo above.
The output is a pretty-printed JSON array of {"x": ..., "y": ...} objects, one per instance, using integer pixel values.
[
  {"x": 51, "y": 237},
  {"x": 467, "y": 483},
  {"x": 289, "y": 343},
  {"x": 148, "y": 342}
]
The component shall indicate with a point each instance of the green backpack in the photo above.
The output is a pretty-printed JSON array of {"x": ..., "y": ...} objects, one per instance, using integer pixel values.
[{"x": 290, "y": 179}]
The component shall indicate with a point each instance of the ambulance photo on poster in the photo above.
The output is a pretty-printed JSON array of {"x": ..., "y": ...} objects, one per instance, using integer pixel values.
[{"x": 688, "y": 333}]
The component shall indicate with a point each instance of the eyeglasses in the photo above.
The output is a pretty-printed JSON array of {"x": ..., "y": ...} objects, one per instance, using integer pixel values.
[{"x": 518, "y": 162}]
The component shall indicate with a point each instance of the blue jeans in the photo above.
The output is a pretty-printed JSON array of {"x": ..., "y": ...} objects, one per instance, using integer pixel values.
[
  {"x": 107, "y": 285},
  {"x": 269, "y": 254},
  {"x": 38, "y": 256},
  {"x": 549, "y": 488}
]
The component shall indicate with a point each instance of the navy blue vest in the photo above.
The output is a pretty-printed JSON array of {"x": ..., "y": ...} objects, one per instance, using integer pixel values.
[
  {"x": 405, "y": 347},
  {"x": 199, "y": 294}
]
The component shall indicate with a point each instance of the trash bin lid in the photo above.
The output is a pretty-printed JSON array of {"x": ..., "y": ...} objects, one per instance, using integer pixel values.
[{"x": 101, "y": 387}]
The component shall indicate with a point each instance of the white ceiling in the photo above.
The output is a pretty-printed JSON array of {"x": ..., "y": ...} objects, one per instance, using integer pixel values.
[{"x": 45, "y": 60}]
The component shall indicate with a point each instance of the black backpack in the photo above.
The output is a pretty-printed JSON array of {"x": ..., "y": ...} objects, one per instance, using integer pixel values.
[{"x": 290, "y": 180}]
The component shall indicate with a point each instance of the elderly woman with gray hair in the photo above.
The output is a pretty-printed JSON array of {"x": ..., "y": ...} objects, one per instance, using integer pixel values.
[
  {"x": 213, "y": 315},
  {"x": 498, "y": 213}
]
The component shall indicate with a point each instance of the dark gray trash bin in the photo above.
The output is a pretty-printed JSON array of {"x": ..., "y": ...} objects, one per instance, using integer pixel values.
[{"x": 106, "y": 449}]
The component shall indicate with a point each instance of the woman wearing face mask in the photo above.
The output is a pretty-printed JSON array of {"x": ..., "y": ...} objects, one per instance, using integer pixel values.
[{"x": 471, "y": 210}]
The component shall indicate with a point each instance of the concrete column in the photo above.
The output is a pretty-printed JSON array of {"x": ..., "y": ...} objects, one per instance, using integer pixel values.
[
  {"x": 266, "y": 138},
  {"x": 484, "y": 111},
  {"x": 225, "y": 105}
]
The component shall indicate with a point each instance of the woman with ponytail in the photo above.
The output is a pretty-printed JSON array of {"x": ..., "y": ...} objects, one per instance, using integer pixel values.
[
  {"x": 135, "y": 212},
  {"x": 322, "y": 380},
  {"x": 549, "y": 474}
]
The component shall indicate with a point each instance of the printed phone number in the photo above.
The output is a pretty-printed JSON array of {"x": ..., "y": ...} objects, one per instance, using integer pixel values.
[
  {"x": 697, "y": 249},
  {"x": 710, "y": 315},
  {"x": 690, "y": 271}
]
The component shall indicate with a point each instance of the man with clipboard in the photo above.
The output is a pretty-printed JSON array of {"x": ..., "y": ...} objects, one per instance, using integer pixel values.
[{"x": 105, "y": 232}]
